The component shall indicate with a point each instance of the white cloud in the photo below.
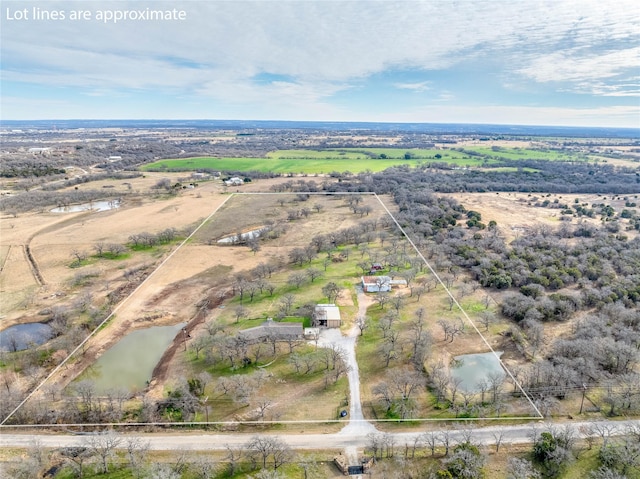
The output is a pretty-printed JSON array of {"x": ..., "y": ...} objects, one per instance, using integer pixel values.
[
  {"x": 415, "y": 86},
  {"x": 578, "y": 66},
  {"x": 326, "y": 47}
]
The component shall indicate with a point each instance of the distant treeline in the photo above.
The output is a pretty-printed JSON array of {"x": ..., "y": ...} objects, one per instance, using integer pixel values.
[
  {"x": 29, "y": 170},
  {"x": 548, "y": 177}
]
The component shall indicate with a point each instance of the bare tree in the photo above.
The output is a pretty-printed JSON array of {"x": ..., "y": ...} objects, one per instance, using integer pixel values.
[
  {"x": 313, "y": 274},
  {"x": 262, "y": 404},
  {"x": 266, "y": 448},
  {"x": 486, "y": 318},
  {"x": 286, "y": 302},
  {"x": 104, "y": 446},
  {"x": 362, "y": 322},
  {"x": 137, "y": 450},
  {"x": 381, "y": 298},
  {"x": 331, "y": 290},
  {"x": 297, "y": 279},
  {"x": 232, "y": 458}
]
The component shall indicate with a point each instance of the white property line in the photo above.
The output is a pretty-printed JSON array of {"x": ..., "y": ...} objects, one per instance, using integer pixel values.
[
  {"x": 540, "y": 415},
  {"x": 272, "y": 422},
  {"x": 316, "y": 421},
  {"x": 115, "y": 310}
]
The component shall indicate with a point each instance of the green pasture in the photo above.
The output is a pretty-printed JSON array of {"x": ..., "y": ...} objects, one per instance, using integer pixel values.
[
  {"x": 528, "y": 154},
  {"x": 357, "y": 160},
  {"x": 274, "y": 165}
]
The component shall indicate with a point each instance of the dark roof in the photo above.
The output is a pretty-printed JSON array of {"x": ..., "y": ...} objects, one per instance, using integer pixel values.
[{"x": 280, "y": 330}]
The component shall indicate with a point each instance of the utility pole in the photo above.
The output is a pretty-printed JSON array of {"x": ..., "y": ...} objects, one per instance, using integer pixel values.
[
  {"x": 584, "y": 392},
  {"x": 184, "y": 337}
]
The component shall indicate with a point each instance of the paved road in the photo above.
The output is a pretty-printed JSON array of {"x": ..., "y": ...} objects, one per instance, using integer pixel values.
[{"x": 519, "y": 434}]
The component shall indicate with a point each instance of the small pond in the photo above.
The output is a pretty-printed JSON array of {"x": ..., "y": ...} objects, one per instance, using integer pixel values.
[
  {"x": 93, "y": 206},
  {"x": 22, "y": 336},
  {"x": 130, "y": 362},
  {"x": 243, "y": 236},
  {"x": 473, "y": 368}
]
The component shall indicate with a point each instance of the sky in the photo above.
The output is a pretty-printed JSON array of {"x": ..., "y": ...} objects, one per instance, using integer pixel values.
[{"x": 566, "y": 63}]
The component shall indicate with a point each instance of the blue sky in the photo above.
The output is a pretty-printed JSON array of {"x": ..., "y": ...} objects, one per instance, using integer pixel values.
[{"x": 574, "y": 63}]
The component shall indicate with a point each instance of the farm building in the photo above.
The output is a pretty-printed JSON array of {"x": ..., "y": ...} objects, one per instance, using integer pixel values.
[
  {"x": 327, "y": 315},
  {"x": 374, "y": 284},
  {"x": 235, "y": 181},
  {"x": 270, "y": 329},
  {"x": 311, "y": 333}
]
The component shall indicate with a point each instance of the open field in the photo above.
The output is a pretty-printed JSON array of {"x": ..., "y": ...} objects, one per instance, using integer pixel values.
[
  {"x": 356, "y": 160},
  {"x": 275, "y": 165}
]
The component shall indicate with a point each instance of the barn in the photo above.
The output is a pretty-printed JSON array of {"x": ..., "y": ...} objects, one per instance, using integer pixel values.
[{"x": 327, "y": 315}]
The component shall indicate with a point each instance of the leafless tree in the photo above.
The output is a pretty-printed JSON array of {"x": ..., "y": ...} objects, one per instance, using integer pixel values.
[
  {"x": 232, "y": 458},
  {"x": 381, "y": 298},
  {"x": 498, "y": 436},
  {"x": 286, "y": 302},
  {"x": 313, "y": 274},
  {"x": 104, "y": 446},
  {"x": 262, "y": 404},
  {"x": 99, "y": 248},
  {"x": 297, "y": 279},
  {"x": 137, "y": 450},
  {"x": 266, "y": 448},
  {"x": 331, "y": 290},
  {"x": 362, "y": 322},
  {"x": 486, "y": 318},
  {"x": 76, "y": 457}
]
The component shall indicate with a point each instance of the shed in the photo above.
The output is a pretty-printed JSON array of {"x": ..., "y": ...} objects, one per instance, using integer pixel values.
[{"x": 327, "y": 315}]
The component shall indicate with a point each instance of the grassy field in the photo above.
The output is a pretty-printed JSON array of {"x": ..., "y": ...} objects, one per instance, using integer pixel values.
[
  {"x": 357, "y": 160},
  {"x": 320, "y": 161},
  {"x": 528, "y": 154},
  {"x": 310, "y": 166}
]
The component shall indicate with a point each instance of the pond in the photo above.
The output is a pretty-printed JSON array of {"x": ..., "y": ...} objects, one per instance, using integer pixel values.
[
  {"x": 243, "y": 236},
  {"x": 93, "y": 206},
  {"x": 130, "y": 362},
  {"x": 474, "y": 368},
  {"x": 22, "y": 336}
]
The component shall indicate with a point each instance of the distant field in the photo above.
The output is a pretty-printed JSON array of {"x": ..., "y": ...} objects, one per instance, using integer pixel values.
[
  {"x": 314, "y": 161},
  {"x": 309, "y": 166},
  {"x": 528, "y": 154},
  {"x": 357, "y": 160}
]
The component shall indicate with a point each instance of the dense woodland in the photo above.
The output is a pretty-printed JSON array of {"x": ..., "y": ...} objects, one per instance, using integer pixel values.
[{"x": 580, "y": 271}]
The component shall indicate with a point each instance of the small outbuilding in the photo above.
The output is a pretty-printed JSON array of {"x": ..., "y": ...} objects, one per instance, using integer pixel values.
[{"x": 327, "y": 315}]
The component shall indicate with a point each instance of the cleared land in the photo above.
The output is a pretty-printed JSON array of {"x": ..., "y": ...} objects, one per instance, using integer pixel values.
[{"x": 356, "y": 160}]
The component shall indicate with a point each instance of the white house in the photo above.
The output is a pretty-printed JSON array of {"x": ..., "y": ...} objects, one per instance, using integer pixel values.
[
  {"x": 374, "y": 284},
  {"x": 235, "y": 181}
]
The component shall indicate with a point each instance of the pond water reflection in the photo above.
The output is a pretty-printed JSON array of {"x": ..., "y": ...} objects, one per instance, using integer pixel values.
[
  {"x": 130, "y": 362},
  {"x": 22, "y": 336},
  {"x": 474, "y": 368},
  {"x": 93, "y": 206}
]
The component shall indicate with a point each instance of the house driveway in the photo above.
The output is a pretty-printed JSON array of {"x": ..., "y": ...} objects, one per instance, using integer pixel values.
[{"x": 357, "y": 425}]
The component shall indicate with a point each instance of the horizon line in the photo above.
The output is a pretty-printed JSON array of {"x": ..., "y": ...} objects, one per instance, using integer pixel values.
[{"x": 372, "y": 122}]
